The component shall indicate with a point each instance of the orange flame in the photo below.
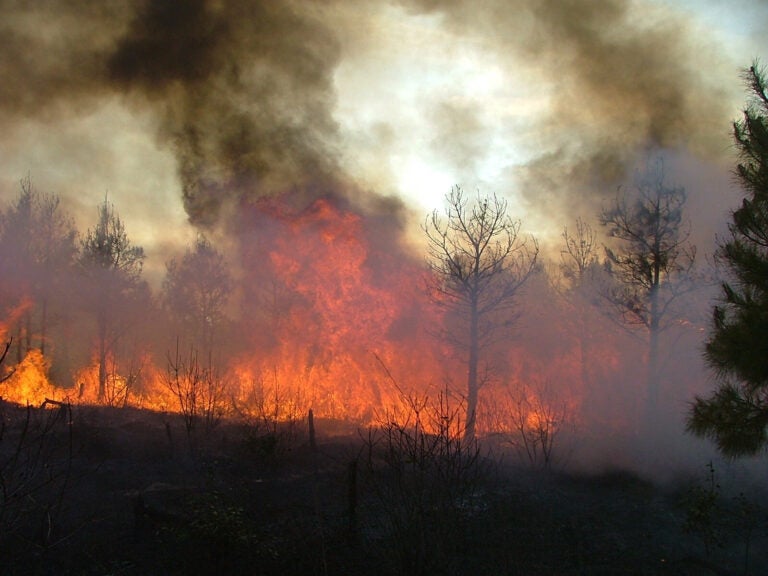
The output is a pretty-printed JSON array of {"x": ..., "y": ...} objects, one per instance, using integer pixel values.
[
  {"x": 342, "y": 333},
  {"x": 28, "y": 383}
]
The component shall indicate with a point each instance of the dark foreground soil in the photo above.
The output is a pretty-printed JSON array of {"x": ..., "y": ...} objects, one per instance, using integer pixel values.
[{"x": 122, "y": 492}]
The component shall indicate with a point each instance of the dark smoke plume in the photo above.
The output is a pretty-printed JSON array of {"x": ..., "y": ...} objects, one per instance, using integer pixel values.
[
  {"x": 52, "y": 55},
  {"x": 243, "y": 91}
]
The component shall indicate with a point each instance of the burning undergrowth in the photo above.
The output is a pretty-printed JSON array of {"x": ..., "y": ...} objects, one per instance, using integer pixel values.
[
  {"x": 327, "y": 298},
  {"x": 328, "y": 309},
  {"x": 329, "y": 312}
]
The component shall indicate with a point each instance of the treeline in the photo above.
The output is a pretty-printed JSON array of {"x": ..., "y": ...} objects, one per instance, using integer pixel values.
[
  {"x": 79, "y": 299},
  {"x": 325, "y": 315},
  {"x": 599, "y": 336}
]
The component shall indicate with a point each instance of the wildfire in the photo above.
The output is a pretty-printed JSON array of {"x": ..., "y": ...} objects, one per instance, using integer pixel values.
[
  {"x": 28, "y": 383},
  {"x": 341, "y": 315},
  {"x": 335, "y": 318}
]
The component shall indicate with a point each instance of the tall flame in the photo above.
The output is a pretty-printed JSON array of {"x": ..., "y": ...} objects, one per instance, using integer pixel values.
[
  {"x": 339, "y": 319},
  {"x": 334, "y": 317}
]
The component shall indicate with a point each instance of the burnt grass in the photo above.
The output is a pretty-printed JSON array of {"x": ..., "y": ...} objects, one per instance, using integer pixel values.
[{"x": 120, "y": 491}]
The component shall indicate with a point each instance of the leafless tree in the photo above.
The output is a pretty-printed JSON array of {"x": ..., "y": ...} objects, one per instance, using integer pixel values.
[
  {"x": 36, "y": 455},
  {"x": 579, "y": 253},
  {"x": 122, "y": 380},
  {"x": 537, "y": 420},
  {"x": 579, "y": 274},
  {"x": 199, "y": 388},
  {"x": 478, "y": 260},
  {"x": 9, "y": 373},
  {"x": 424, "y": 477}
]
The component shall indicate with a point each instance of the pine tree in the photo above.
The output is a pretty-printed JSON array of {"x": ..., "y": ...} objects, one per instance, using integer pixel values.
[
  {"x": 735, "y": 415},
  {"x": 652, "y": 263},
  {"x": 112, "y": 265}
]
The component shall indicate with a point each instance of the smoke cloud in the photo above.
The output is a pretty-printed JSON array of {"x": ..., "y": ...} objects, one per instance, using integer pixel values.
[
  {"x": 52, "y": 56},
  {"x": 243, "y": 92},
  {"x": 621, "y": 77}
]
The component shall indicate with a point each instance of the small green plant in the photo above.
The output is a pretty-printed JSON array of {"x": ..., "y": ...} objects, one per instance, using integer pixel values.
[
  {"x": 211, "y": 532},
  {"x": 424, "y": 477},
  {"x": 703, "y": 509},
  {"x": 747, "y": 516}
]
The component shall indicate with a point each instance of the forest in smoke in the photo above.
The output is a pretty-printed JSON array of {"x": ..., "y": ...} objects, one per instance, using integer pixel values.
[
  {"x": 326, "y": 308},
  {"x": 305, "y": 287},
  {"x": 302, "y": 283},
  {"x": 391, "y": 287},
  {"x": 296, "y": 402}
]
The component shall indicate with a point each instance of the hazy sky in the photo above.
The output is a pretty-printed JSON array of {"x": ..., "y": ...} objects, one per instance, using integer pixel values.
[{"x": 177, "y": 113}]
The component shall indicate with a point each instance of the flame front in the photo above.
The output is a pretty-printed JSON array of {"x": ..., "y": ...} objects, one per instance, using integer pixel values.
[
  {"x": 340, "y": 324},
  {"x": 331, "y": 314}
]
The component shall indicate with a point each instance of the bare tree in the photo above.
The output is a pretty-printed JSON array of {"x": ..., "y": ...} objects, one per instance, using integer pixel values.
[
  {"x": 579, "y": 253},
  {"x": 425, "y": 478},
  {"x": 652, "y": 263},
  {"x": 36, "y": 456},
  {"x": 537, "y": 421},
  {"x": 199, "y": 388},
  {"x": 478, "y": 261}
]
